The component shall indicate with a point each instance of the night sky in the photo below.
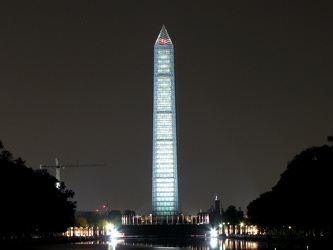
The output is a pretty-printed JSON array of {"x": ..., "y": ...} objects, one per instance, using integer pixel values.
[{"x": 254, "y": 86}]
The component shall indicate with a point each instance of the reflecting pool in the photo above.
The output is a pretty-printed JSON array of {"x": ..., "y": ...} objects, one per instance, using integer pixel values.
[{"x": 189, "y": 243}]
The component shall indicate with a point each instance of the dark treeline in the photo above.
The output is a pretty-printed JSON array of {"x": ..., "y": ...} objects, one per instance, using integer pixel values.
[
  {"x": 33, "y": 205},
  {"x": 300, "y": 203}
]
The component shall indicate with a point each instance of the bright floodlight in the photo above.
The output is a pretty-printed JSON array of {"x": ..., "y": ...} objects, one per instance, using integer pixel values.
[
  {"x": 213, "y": 233},
  {"x": 112, "y": 231}
]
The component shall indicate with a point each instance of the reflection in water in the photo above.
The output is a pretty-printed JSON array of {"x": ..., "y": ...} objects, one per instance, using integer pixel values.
[
  {"x": 214, "y": 243},
  {"x": 191, "y": 243},
  {"x": 112, "y": 244},
  {"x": 188, "y": 243},
  {"x": 240, "y": 244}
]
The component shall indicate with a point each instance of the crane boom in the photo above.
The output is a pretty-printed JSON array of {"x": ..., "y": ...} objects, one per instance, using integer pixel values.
[{"x": 59, "y": 166}]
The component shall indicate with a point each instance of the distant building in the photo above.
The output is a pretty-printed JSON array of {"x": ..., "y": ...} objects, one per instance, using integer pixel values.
[
  {"x": 217, "y": 213},
  {"x": 164, "y": 162}
]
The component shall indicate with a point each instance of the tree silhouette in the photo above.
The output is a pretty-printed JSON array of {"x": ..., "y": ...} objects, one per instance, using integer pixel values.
[
  {"x": 32, "y": 203},
  {"x": 301, "y": 197}
]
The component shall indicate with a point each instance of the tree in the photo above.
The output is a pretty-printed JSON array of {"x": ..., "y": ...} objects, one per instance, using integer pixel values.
[
  {"x": 32, "y": 200},
  {"x": 232, "y": 216},
  {"x": 81, "y": 222},
  {"x": 301, "y": 197},
  {"x": 114, "y": 217},
  {"x": 96, "y": 219},
  {"x": 92, "y": 218}
]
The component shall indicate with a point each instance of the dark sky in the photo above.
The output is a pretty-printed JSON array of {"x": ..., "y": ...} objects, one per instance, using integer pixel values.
[{"x": 254, "y": 88}]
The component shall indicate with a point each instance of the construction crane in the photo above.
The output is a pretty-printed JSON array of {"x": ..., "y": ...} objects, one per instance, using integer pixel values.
[{"x": 57, "y": 166}]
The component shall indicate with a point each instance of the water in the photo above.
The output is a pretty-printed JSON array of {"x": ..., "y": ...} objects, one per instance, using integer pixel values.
[{"x": 170, "y": 244}]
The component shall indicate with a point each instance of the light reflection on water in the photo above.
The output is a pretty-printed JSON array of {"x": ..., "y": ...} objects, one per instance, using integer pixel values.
[{"x": 190, "y": 243}]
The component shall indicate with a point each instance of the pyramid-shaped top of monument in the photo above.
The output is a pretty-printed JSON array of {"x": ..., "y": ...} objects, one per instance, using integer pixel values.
[{"x": 163, "y": 38}]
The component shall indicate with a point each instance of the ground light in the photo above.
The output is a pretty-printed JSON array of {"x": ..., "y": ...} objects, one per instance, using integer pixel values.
[
  {"x": 213, "y": 233},
  {"x": 112, "y": 231}
]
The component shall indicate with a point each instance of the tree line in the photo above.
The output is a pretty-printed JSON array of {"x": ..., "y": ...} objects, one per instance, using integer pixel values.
[
  {"x": 34, "y": 206},
  {"x": 300, "y": 202}
]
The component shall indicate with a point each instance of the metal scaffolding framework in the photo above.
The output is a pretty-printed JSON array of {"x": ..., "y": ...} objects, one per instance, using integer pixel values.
[{"x": 164, "y": 171}]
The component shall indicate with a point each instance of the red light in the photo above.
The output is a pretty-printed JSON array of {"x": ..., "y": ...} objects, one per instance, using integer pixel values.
[{"x": 163, "y": 41}]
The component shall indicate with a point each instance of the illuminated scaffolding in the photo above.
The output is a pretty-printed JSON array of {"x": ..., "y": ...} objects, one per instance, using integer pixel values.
[{"x": 164, "y": 174}]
